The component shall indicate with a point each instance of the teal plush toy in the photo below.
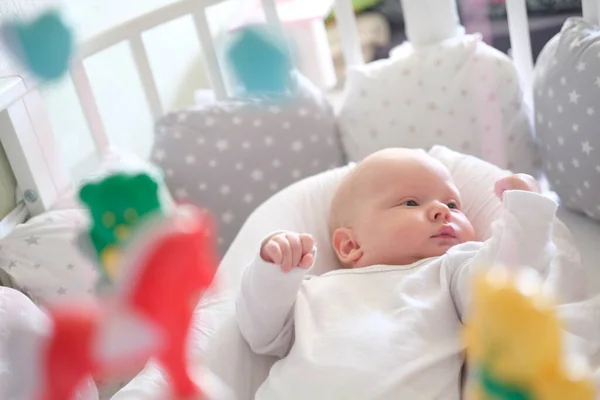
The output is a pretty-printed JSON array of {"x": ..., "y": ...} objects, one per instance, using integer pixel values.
[
  {"x": 260, "y": 61},
  {"x": 43, "y": 46}
]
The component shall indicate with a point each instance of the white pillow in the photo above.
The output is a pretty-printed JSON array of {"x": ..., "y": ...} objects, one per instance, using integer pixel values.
[
  {"x": 460, "y": 93},
  {"x": 43, "y": 259}
]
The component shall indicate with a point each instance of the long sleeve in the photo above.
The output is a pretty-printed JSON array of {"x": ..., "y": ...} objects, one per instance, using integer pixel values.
[
  {"x": 522, "y": 236},
  {"x": 265, "y": 307}
]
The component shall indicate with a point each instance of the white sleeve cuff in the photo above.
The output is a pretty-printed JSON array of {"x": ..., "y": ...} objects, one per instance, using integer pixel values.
[
  {"x": 268, "y": 281},
  {"x": 529, "y": 206}
]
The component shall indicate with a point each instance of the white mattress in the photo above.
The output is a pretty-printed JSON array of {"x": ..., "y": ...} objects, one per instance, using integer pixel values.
[{"x": 586, "y": 234}]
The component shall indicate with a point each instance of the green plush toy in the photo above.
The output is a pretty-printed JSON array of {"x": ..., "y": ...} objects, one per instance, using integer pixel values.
[{"x": 117, "y": 205}]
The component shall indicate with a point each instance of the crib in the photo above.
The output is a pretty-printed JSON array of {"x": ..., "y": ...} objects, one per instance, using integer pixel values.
[{"x": 44, "y": 190}]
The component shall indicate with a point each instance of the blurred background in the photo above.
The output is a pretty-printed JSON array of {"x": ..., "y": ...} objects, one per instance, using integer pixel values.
[{"x": 181, "y": 76}]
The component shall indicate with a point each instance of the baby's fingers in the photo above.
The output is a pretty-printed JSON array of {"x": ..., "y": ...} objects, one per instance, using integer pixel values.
[
  {"x": 307, "y": 261},
  {"x": 296, "y": 248},
  {"x": 307, "y": 243},
  {"x": 272, "y": 252},
  {"x": 286, "y": 252},
  {"x": 500, "y": 187}
]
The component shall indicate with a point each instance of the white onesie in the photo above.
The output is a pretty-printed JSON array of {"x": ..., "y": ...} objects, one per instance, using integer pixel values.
[{"x": 382, "y": 332}]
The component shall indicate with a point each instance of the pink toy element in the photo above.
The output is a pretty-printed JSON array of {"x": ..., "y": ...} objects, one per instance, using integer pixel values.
[
  {"x": 165, "y": 270},
  {"x": 171, "y": 273}
]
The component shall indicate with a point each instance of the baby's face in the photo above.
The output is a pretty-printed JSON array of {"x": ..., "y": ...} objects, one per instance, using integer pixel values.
[{"x": 408, "y": 209}]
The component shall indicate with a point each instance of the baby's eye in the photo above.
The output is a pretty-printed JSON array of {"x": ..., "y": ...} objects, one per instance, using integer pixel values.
[
  {"x": 453, "y": 206},
  {"x": 410, "y": 203}
]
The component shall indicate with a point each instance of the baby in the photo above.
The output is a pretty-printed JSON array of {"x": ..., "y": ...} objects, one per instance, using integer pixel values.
[{"x": 388, "y": 324}]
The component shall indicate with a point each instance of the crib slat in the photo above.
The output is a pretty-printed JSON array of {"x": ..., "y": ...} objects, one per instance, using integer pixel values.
[
  {"x": 591, "y": 11},
  {"x": 144, "y": 70},
  {"x": 348, "y": 31},
  {"x": 210, "y": 54},
  {"x": 89, "y": 105},
  {"x": 520, "y": 42},
  {"x": 270, "y": 10}
]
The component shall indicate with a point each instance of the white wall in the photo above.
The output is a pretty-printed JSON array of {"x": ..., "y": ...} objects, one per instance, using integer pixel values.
[{"x": 174, "y": 54}]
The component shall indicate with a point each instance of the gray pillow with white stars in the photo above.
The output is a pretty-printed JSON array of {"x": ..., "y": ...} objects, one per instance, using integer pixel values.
[
  {"x": 231, "y": 156},
  {"x": 567, "y": 105}
]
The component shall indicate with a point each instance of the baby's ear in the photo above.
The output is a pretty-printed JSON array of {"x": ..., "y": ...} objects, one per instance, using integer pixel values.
[{"x": 346, "y": 247}]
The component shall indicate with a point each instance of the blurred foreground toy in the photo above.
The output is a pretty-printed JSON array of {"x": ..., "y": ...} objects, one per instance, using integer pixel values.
[
  {"x": 260, "y": 62},
  {"x": 162, "y": 272},
  {"x": 515, "y": 346},
  {"x": 117, "y": 204},
  {"x": 43, "y": 46}
]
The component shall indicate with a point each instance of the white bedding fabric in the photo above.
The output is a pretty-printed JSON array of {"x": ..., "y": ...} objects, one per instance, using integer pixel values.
[{"x": 586, "y": 236}]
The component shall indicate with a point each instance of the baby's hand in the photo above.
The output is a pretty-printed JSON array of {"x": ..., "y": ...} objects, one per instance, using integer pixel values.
[
  {"x": 516, "y": 182},
  {"x": 289, "y": 250}
]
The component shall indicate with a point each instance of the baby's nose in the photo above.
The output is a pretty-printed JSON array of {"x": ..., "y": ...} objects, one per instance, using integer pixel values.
[{"x": 441, "y": 213}]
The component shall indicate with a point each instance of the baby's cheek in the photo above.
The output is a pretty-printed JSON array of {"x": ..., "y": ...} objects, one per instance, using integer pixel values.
[
  {"x": 468, "y": 232},
  {"x": 409, "y": 232}
]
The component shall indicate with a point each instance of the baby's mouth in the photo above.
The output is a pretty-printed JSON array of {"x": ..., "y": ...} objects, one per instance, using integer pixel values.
[{"x": 445, "y": 232}]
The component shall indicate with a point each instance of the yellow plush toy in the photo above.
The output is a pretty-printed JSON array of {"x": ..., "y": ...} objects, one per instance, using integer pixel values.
[{"x": 514, "y": 343}]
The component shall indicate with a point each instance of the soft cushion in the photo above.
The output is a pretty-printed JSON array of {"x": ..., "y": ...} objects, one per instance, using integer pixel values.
[
  {"x": 302, "y": 207},
  {"x": 42, "y": 257},
  {"x": 231, "y": 156},
  {"x": 567, "y": 105},
  {"x": 460, "y": 93}
]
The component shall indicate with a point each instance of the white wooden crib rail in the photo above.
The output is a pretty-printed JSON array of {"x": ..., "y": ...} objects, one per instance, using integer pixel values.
[{"x": 133, "y": 31}]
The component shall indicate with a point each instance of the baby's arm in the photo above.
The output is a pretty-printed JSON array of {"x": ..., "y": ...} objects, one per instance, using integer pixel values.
[
  {"x": 522, "y": 236},
  {"x": 268, "y": 292}
]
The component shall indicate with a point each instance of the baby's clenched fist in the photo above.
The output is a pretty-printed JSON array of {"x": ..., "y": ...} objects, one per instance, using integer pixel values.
[
  {"x": 289, "y": 250},
  {"x": 516, "y": 182}
]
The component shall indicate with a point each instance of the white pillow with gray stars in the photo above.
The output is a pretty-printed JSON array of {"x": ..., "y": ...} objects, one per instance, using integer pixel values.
[
  {"x": 460, "y": 93},
  {"x": 567, "y": 108},
  {"x": 42, "y": 257}
]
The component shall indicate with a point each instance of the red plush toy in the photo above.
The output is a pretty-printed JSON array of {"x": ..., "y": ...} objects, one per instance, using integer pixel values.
[{"x": 161, "y": 274}]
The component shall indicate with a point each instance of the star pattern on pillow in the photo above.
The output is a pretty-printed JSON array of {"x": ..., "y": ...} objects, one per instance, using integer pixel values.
[
  {"x": 230, "y": 157},
  {"x": 471, "y": 101},
  {"x": 567, "y": 94},
  {"x": 44, "y": 262}
]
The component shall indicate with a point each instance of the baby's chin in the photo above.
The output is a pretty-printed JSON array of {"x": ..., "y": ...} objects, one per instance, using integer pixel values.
[{"x": 438, "y": 250}]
